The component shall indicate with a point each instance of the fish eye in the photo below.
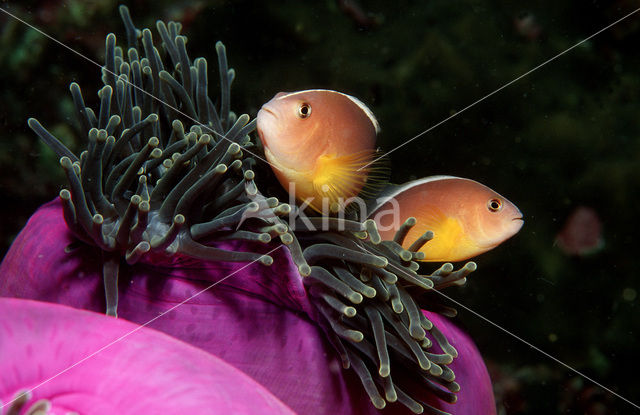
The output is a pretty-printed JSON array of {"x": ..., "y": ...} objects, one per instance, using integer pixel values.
[
  {"x": 494, "y": 205},
  {"x": 304, "y": 110}
]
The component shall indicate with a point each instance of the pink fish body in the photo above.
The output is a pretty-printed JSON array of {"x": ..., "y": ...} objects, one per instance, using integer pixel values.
[{"x": 467, "y": 217}]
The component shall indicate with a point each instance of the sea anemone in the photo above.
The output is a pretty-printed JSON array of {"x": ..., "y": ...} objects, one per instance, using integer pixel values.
[{"x": 167, "y": 186}]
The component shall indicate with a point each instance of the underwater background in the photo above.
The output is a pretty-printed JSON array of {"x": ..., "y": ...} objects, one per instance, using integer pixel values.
[{"x": 563, "y": 137}]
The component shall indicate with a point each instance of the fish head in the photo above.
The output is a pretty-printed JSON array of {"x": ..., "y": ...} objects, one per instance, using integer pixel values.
[
  {"x": 297, "y": 128},
  {"x": 287, "y": 126},
  {"x": 490, "y": 218}
]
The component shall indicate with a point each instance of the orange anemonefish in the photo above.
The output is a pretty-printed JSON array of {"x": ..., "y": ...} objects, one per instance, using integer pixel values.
[
  {"x": 320, "y": 144},
  {"x": 466, "y": 217}
]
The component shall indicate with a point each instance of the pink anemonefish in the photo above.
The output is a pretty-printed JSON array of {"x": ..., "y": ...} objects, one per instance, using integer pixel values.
[
  {"x": 320, "y": 144},
  {"x": 466, "y": 217}
]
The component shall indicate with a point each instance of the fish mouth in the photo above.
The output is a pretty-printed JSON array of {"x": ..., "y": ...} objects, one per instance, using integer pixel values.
[
  {"x": 516, "y": 224},
  {"x": 266, "y": 119},
  {"x": 266, "y": 109}
]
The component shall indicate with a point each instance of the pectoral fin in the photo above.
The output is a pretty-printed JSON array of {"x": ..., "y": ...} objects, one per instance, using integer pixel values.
[{"x": 337, "y": 179}]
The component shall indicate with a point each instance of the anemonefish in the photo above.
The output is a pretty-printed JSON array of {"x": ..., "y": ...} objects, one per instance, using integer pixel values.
[
  {"x": 466, "y": 217},
  {"x": 320, "y": 144}
]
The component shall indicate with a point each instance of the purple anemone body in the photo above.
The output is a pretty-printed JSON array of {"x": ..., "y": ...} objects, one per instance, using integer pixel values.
[
  {"x": 51, "y": 350},
  {"x": 476, "y": 392},
  {"x": 258, "y": 320}
]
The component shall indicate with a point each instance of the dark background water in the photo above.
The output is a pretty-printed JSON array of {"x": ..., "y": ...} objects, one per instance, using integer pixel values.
[{"x": 566, "y": 135}]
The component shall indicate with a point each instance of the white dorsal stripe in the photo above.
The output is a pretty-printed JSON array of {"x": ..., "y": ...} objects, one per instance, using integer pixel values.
[
  {"x": 355, "y": 100},
  {"x": 394, "y": 190}
]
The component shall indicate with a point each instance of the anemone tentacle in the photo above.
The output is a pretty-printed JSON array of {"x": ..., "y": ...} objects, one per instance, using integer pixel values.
[
  {"x": 22, "y": 400},
  {"x": 379, "y": 330},
  {"x": 150, "y": 170}
]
